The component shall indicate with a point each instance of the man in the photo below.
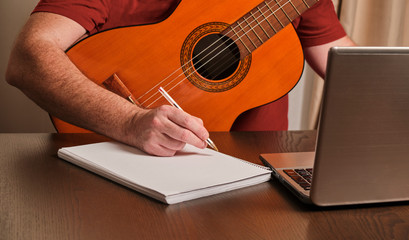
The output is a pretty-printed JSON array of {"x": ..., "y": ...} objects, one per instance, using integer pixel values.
[{"x": 41, "y": 69}]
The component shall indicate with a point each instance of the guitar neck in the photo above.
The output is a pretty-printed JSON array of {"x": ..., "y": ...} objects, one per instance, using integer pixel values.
[{"x": 264, "y": 21}]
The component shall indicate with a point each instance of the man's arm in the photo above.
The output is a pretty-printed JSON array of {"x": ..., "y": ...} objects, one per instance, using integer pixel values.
[
  {"x": 39, "y": 67},
  {"x": 317, "y": 56}
]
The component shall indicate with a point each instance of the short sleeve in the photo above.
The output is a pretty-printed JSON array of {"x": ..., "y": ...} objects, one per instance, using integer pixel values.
[
  {"x": 319, "y": 25},
  {"x": 88, "y": 13}
]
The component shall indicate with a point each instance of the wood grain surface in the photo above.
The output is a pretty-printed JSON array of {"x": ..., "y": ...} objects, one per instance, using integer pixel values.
[{"x": 44, "y": 197}]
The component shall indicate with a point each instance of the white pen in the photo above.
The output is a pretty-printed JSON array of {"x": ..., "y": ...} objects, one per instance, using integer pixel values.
[{"x": 173, "y": 103}]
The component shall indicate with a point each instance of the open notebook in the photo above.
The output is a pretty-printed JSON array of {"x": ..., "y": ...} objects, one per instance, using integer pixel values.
[{"x": 191, "y": 173}]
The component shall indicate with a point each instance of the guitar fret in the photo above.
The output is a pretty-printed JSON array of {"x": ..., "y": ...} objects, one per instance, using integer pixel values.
[
  {"x": 259, "y": 24},
  {"x": 242, "y": 42},
  {"x": 282, "y": 9},
  {"x": 263, "y": 22},
  {"x": 271, "y": 26},
  {"x": 238, "y": 23},
  {"x": 306, "y": 4},
  {"x": 291, "y": 2},
  {"x": 299, "y": 6},
  {"x": 254, "y": 31},
  {"x": 278, "y": 20}
]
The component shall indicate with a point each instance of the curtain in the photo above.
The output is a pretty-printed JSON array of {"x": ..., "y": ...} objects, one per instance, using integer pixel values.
[
  {"x": 376, "y": 22},
  {"x": 368, "y": 23}
]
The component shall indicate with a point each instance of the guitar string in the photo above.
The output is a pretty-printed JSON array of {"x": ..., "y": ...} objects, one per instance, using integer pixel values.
[
  {"x": 201, "y": 66},
  {"x": 188, "y": 62},
  {"x": 226, "y": 63},
  {"x": 245, "y": 34},
  {"x": 190, "y": 68},
  {"x": 183, "y": 72}
]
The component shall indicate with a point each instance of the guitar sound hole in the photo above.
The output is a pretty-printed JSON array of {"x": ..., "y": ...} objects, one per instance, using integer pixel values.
[{"x": 216, "y": 57}]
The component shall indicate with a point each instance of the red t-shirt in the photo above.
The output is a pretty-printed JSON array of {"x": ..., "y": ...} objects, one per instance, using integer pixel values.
[{"x": 316, "y": 26}]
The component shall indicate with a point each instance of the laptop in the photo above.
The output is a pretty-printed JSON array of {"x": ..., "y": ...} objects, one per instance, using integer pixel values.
[{"x": 362, "y": 147}]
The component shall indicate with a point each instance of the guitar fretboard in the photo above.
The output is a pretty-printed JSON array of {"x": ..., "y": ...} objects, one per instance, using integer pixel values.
[{"x": 264, "y": 21}]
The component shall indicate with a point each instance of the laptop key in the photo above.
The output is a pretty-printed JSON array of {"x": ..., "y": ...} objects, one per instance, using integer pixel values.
[{"x": 301, "y": 176}]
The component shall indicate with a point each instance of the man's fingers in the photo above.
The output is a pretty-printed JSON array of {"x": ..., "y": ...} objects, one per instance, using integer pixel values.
[
  {"x": 165, "y": 130},
  {"x": 186, "y": 128},
  {"x": 183, "y": 135},
  {"x": 160, "y": 144},
  {"x": 189, "y": 122}
]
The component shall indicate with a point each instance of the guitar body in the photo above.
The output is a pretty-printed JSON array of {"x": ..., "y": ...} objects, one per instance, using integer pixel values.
[{"x": 149, "y": 56}]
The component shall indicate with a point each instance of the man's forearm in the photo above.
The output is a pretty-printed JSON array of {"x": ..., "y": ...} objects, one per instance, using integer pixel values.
[
  {"x": 40, "y": 68},
  {"x": 46, "y": 75}
]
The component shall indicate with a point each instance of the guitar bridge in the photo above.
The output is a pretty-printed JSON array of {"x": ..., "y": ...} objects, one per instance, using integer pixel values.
[{"x": 115, "y": 85}]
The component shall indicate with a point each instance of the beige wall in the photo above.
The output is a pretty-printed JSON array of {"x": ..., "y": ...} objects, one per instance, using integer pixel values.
[
  {"x": 377, "y": 22},
  {"x": 17, "y": 112}
]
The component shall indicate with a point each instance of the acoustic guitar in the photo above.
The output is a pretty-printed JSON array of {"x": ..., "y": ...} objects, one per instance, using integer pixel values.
[{"x": 203, "y": 55}]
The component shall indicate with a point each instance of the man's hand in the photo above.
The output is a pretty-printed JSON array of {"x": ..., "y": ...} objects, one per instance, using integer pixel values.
[
  {"x": 165, "y": 130},
  {"x": 40, "y": 68}
]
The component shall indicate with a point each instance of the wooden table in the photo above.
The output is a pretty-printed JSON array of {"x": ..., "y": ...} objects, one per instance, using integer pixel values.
[{"x": 43, "y": 197}]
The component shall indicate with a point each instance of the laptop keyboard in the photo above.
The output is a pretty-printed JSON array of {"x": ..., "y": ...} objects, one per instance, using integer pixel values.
[{"x": 301, "y": 176}]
